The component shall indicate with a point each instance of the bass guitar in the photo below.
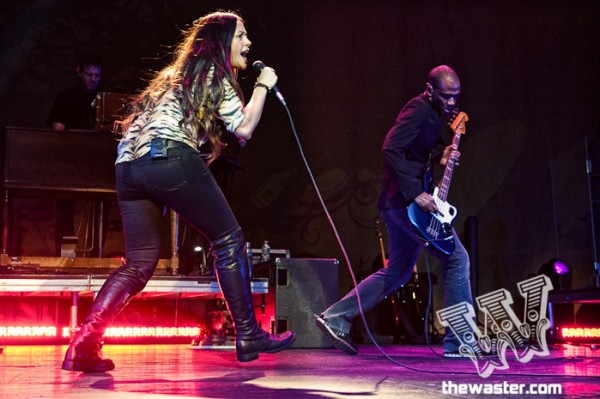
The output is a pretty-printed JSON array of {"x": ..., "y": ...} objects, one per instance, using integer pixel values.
[{"x": 436, "y": 228}]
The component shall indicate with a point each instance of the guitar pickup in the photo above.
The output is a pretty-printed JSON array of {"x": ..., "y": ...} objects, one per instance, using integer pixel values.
[{"x": 447, "y": 229}]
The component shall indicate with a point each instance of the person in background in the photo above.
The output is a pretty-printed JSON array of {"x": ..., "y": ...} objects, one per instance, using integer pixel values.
[
  {"x": 74, "y": 109},
  {"x": 159, "y": 165}
]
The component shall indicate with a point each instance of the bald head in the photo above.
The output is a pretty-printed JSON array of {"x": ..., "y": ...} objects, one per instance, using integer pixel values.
[
  {"x": 442, "y": 88},
  {"x": 440, "y": 74}
]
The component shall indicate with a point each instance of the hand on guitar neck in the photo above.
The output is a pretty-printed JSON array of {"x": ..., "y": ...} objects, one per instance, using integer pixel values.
[{"x": 450, "y": 154}]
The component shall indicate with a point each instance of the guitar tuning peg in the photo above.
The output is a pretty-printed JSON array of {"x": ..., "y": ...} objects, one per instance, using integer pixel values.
[{"x": 453, "y": 114}]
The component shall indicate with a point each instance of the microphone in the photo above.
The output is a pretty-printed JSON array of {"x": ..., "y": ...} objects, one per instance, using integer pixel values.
[{"x": 258, "y": 66}]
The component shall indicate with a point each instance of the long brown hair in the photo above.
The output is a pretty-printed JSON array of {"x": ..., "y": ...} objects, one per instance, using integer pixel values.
[{"x": 206, "y": 43}]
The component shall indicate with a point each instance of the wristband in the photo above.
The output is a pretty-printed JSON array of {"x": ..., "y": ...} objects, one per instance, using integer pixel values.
[{"x": 258, "y": 84}]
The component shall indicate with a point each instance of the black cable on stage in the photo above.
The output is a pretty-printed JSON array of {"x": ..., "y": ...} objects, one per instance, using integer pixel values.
[
  {"x": 340, "y": 244},
  {"x": 354, "y": 282}
]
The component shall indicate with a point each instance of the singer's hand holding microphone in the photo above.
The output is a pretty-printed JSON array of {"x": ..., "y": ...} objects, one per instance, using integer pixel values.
[{"x": 268, "y": 78}]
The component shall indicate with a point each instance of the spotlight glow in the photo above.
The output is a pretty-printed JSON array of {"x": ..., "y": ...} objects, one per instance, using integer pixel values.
[{"x": 561, "y": 268}]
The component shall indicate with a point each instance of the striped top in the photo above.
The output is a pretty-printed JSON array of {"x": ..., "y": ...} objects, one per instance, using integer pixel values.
[{"x": 162, "y": 118}]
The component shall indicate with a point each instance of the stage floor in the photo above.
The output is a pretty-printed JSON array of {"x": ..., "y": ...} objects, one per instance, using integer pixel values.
[{"x": 180, "y": 371}]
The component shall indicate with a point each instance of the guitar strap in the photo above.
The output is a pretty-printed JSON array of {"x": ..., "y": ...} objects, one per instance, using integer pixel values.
[{"x": 428, "y": 176}]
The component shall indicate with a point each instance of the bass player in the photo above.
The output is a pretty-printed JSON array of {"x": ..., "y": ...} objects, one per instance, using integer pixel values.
[{"x": 412, "y": 145}]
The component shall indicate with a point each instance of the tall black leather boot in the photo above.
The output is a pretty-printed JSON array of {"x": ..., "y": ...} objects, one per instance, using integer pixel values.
[
  {"x": 232, "y": 270},
  {"x": 82, "y": 354}
]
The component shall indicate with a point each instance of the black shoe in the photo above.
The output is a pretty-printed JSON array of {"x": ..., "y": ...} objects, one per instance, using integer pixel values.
[
  {"x": 339, "y": 339},
  {"x": 248, "y": 349}
]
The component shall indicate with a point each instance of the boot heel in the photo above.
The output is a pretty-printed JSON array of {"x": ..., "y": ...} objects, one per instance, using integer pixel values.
[{"x": 247, "y": 357}]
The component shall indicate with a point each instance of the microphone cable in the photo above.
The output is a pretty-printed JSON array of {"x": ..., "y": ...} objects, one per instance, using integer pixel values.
[
  {"x": 342, "y": 248},
  {"x": 354, "y": 282}
]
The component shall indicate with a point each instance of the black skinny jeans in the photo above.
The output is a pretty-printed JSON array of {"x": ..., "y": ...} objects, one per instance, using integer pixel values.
[{"x": 183, "y": 183}]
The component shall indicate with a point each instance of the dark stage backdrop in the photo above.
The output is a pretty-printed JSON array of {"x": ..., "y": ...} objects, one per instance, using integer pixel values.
[{"x": 529, "y": 72}]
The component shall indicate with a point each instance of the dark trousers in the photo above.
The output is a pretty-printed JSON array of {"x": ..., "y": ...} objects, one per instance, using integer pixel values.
[
  {"x": 404, "y": 251},
  {"x": 183, "y": 182}
]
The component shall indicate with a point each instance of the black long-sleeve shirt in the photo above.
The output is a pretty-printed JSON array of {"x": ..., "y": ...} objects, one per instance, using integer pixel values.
[{"x": 410, "y": 145}]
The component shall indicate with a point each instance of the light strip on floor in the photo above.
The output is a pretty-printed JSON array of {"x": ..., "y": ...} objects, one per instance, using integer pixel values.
[
  {"x": 27, "y": 331},
  {"x": 146, "y": 332},
  {"x": 580, "y": 334}
]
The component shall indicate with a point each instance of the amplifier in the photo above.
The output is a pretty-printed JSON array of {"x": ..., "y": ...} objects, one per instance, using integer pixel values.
[
  {"x": 110, "y": 107},
  {"x": 298, "y": 288}
]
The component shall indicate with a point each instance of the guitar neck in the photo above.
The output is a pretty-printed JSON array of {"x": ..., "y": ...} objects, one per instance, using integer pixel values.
[
  {"x": 382, "y": 250},
  {"x": 381, "y": 246},
  {"x": 447, "y": 177},
  {"x": 458, "y": 126}
]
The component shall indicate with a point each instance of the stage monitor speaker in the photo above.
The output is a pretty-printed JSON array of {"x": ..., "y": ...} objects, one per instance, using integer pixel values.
[{"x": 298, "y": 288}]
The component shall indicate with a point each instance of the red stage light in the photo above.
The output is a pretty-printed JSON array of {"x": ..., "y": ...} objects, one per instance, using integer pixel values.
[
  {"x": 580, "y": 334},
  {"x": 146, "y": 332},
  {"x": 153, "y": 332},
  {"x": 27, "y": 331}
]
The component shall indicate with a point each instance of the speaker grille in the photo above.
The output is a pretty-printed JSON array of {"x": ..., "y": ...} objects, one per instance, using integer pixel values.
[{"x": 299, "y": 288}]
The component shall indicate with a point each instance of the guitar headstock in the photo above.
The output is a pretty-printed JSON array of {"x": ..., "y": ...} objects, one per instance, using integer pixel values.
[
  {"x": 378, "y": 228},
  {"x": 459, "y": 123}
]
